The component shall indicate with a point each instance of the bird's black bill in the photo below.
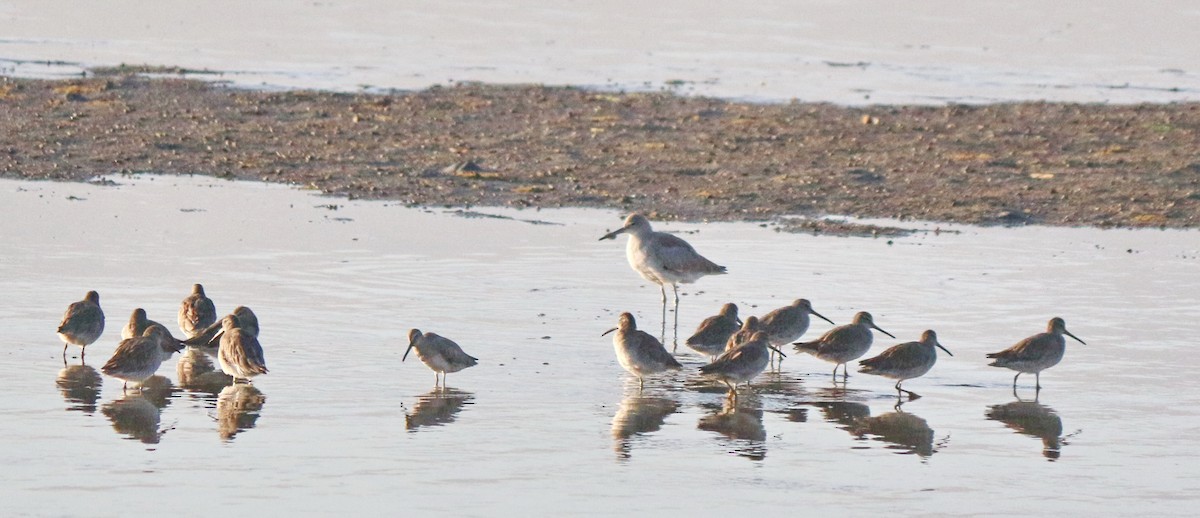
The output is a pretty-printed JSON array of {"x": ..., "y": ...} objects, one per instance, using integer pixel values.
[
  {"x": 607, "y": 332},
  {"x": 826, "y": 319},
  {"x": 1068, "y": 333}
]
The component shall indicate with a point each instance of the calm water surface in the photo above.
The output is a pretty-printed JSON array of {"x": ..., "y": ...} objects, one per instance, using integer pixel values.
[
  {"x": 548, "y": 420},
  {"x": 847, "y": 52}
]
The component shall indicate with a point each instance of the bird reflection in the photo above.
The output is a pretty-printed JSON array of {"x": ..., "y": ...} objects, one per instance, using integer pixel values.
[
  {"x": 1033, "y": 419},
  {"x": 739, "y": 419},
  {"x": 238, "y": 408},
  {"x": 196, "y": 372},
  {"x": 80, "y": 386},
  {"x": 906, "y": 432},
  {"x": 844, "y": 413},
  {"x": 137, "y": 414},
  {"x": 437, "y": 407},
  {"x": 638, "y": 415}
]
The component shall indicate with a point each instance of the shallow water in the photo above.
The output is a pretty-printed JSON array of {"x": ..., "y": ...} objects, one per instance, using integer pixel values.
[
  {"x": 858, "y": 52},
  {"x": 548, "y": 420}
]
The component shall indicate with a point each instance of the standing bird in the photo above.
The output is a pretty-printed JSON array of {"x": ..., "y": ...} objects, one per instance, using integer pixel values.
[
  {"x": 905, "y": 361},
  {"x": 843, "y": 344},
  {"x": 663, "y": 259},
  {"x": 239, "y": 354},
  {"x": 787, "y": 324},
  {"x": 743, "y": 363},
  {"x": 638, "y": 352},
  {"x": 743, "y": 335},
  {"x": 209, "y": 339},
  {"x": 439, "y": 353},
  {"x": 710, "y": 338},
  {"x": 82, "y": 324},
  {"x": 1036, "y": 353},
  {"x": 137, "y": 358},
  {"x": 196, "y": 312},
  {"x": 137, "y": 324}
]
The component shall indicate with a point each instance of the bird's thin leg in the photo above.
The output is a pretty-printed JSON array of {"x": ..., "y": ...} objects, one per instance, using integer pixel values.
[
  {"x": 663, "y": 290},
  {"x": 1015, "y": 381},
  {"x": 641, "y": 383},
  {"x": 835, "y": 373},
  {"x": 82, "y": 351},
  {"x": 1037, "y": 384},
  {"x": 675, "y": 339},
  {"x": 845, "y": 372}
]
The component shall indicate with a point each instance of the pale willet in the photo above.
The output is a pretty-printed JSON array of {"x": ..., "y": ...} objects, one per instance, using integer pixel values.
[
  {"x": 787, "y": 324},
  {"x": 82, "y": 323},
  {"x": 138, "y": 322},
  {"x": 196, "y": 312},
  {"x": 741, "y": 364},
  {"x": 1036, "y": 353},
  {"x": 638, "y": 352},
  {"x": 843, "y": 344},
  {"x": 137, "y": 358},
  {"x": 663, "y": 259},
  {"x": 743, "y": 335},
  {"x": 712, "y": 334},
  {"x": 439, "y": 353},
  {"x": 240, "y": 355},
  {"x": 905, "y": 361}
]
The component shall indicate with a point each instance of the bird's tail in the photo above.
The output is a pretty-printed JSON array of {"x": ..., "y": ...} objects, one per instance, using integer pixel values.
[{"x": 807, "y": 347}]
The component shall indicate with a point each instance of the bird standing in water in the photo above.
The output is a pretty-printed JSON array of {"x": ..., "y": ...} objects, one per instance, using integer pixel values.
[
  {"x": 663, "y": 259},
  {"x": 1036, "y": 353},
  {"x": 638, "y": 352},
  {"x": 439, "y": 353},
  {"x": 82, "y": 324}
]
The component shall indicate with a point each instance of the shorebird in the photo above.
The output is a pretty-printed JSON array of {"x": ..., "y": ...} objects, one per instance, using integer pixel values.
[
  {"x": 209, "y": 339},
  {"x": 638, "y": 352},
  {"x": 196, "y": 312},
  {"x": 663, "y": 259},
  {"x": 137, "y": 358},
  {"x": 82, "y": 323},
  {"x": 843, "y": 344},
  {"x": 710, "y": 338},
  {"x": 741, "y": 364},
  {"x": 440, "y": 354},
  {"x": 1036, "y": 353},
  {"x": 240, "y": 355},
  {"x": 743, "y": 335},
  {"x": 787, "y": 324},
  {"x": 905, "y": 361},
  {"x": 137, "y": 324}
]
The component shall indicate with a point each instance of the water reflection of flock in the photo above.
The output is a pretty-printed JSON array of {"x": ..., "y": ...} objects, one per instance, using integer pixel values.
[{"x": 738, "y": 422}]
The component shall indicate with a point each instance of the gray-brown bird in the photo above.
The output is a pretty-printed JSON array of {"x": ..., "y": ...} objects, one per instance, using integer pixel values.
[
  {"x": 82, "y": 324},
  {"x": 196, "y": 312},
  {"x": 712, "y": 334},
  {"x": 239, "y": 354},
  {"x": 1036, "y": 353}
]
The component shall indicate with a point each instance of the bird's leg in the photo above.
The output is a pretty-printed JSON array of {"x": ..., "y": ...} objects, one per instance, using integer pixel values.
[
  {"x": 663, "y": 289},
  {"x": 675, "y": 339},
  {"x": 845, "y": 372},
  {"x": 641, "y": 383},
  {"x": 1037, "y": 384},
  {"x": 835, "y": 373},
  {"x": 82, "y": 351}
]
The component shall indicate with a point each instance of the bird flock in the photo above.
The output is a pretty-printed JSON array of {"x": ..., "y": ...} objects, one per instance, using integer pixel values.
[
  {"x": 738, "y": 350},
  {"x": 145, "y": 344}
]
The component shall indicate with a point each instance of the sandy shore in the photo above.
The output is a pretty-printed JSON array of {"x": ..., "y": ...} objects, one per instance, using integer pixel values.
[{"x": 669, "y": 156}]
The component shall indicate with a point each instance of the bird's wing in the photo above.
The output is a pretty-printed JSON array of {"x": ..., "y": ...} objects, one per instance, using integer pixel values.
[
  {"x": 80, "y": 316},
  {"x": 129, "y": 352},
  {"x": 897, "y": 356},
  {"x": 675, "y": 254},
  {"x": 1029, "y": 349}
]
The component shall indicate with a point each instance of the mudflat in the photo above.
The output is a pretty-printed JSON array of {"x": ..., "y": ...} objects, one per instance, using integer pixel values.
[{"x": 670, "y": 156}]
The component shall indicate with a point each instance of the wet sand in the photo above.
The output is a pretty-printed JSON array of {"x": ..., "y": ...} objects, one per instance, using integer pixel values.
[{"x": 673, "y": 157}]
